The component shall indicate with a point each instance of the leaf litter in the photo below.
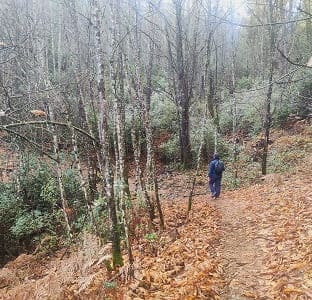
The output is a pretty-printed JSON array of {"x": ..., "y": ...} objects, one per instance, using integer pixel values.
[{"x": 252, "y": 243}]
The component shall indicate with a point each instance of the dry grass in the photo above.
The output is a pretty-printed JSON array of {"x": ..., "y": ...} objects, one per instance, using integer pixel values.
[{"x": 28, "y": 277}]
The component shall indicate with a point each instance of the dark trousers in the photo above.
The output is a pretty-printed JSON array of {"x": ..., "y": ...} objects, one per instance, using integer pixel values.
[{"x": 215, "y": 186}]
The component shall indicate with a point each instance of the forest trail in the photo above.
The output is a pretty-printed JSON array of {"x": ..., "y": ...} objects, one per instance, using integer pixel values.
[
  {"x": 240, "y": 250},
  {"x": 251, "y": 243},
  {"x": 265, "y": 242}
]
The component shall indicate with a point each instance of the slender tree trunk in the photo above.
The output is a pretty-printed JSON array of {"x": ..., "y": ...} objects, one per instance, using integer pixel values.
[
  {"x": 83, "y": 183},
  {"x": 152, "y": 181},
  {"x": 81, "y": 98},
  {"x": 211, "y": 94},
  {"x": 45, "y": 82},
  {"x": 117, "y": 177},
  {"x": 136, "y": 144},
  {"x": 60, "y": 47},
  {"x": 234, "y": 106},
  {"x": 119, "y": 104},
  {"x": 267, "y": 121},
  {"x": 92, "y": 163},
  {"x": 185, "y": 136},
  {"x": 234, "y": 138},
  {"x": 104, "y": 139},
  {"x": 183, "y": 98},
  {"x": 215, "y": 141},
  {"x": 267, "y": 117},
  {"x": 53, "y": 51},
  {"x": 139, "y": 101},
  {"x": 139, "y": 174},
  {"x": 199, "y": 154},
  {"x": 65, "y": 208}
]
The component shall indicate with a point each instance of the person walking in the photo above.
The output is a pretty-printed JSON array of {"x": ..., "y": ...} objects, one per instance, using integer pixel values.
[{"x": 216, "y": 168}]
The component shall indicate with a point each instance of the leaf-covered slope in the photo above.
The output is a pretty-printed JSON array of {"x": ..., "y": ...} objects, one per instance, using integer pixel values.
[
  {"x": 184, "y": 265},
  {"x": 252, "y": 243}
]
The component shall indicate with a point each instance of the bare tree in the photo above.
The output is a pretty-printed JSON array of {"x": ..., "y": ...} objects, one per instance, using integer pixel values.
[
  {"x": 104, "y": 139},
  {"x": 267, "y": 113},
  {"x": 118, "y": 83}
]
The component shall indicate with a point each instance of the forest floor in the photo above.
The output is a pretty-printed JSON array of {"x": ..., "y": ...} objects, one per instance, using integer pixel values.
[{"x": 251, "y": 243}]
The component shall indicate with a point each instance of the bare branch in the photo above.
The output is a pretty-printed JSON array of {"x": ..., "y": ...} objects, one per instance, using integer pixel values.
[
  {"x": 292, "y": 62},
  {"x": 305, "y": 12},
  {"x": 49, "y": 122},
  {"x": 261, "y": 25},
  {"x": 278, "y": 81},
  {"x": 38, "y": 147}
]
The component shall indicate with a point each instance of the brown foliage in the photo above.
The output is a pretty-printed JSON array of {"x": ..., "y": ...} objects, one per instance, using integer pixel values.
[{"x": 38, "y": 113}]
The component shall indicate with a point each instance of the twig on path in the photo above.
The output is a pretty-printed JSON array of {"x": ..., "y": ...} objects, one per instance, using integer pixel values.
[
  {"x": 263, "y": 237},
  {"x": 66, "y": 250},
  {"x": 197, "y": 194}
]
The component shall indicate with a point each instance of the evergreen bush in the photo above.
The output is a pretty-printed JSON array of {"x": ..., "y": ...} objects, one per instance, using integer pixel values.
[
  {"x": 169, "y": 151},
  {"x": 304, "y": 98},
  {"x": 30, "y": 207}
]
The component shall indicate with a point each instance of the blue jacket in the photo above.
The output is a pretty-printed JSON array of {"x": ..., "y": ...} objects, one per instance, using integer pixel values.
[{"x": 212, "y": 167}]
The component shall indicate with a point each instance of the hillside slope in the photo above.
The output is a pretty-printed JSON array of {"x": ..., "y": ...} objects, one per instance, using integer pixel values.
[{"x": 252, "y": 243}]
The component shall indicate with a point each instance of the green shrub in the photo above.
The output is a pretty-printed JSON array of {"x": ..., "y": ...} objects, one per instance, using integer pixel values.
[
  {"x": 110, "y": 285},
  {"x": 32, "y": 177},
  {"x": 246, "y": 121},
  {"x": 139, "y": 131},
  {"x": 49, "y": 191},
  {"x": 244, "y": 83},
  {"x": 33, "y": 203},
  {"x": 28, "y": 224},
  {"x": 101, "y": 216},
  {"x": 73, "y": 192},
  {"x": 284, "y": 161},
  {"x": 223, "y": 147},
  {"x": 281, "y": 115},
  {"x": 303, "y": 100},
  {"x": 151, "y": 237},
  {"x": 164, "y": 114},
  {"x": 169, "y": 151},
  {"x": 10, "y": 208},
  {"x": 48, "y": 244}
]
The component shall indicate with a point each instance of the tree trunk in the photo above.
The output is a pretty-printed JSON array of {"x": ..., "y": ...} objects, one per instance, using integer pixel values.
[
  {"x": 65, "y": 208},
  {"x": 140, "y": 184},
  {"x": 199, "y": 155},
  {"x": 152, "y": 182},
  {"x": 234, "y": 106},
  {"x": 104, "y": 140},
  {"x": 82, "y": 180},
  {"x": 267, "y": 117},
  {"x": 119, "y": 104},
  {"x": 183, "y": 98},
  {"x": 186, "y": 158},
  {"x": 81, "y": 99},
  {"x": 135, "y": 80},
  {"x": 189, "y": 206},
  {"x": 267, "y": 122}
]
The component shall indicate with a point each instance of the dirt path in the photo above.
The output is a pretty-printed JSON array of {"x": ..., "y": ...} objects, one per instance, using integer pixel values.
[
  {"x": 264, "y": 236},
  {"x": 265, "y": 243},
  {"x": 240, "y": 250}
]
